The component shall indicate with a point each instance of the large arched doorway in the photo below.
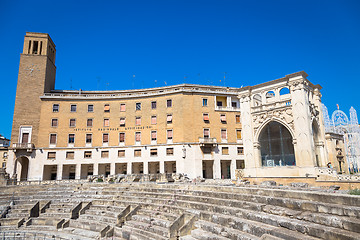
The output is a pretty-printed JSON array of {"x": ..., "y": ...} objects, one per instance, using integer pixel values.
[
  {"x": 24, "y": 168},
  {"x": 276, "y": 146}
]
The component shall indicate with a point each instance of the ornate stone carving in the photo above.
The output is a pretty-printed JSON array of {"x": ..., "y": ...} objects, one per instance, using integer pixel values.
[{"x": 283, "y": 114}]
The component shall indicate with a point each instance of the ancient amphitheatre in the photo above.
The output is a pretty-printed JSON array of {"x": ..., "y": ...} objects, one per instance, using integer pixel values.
[{"x": 169, "y": 207}]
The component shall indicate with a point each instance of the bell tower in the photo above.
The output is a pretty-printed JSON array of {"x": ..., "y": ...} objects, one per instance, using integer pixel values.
[{"x": 36, "y": 77}]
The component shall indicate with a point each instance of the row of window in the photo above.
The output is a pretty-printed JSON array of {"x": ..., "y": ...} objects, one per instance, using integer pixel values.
[
  {"x": 89, "y": 121},
  {"x": 105, "y": 153},
  {"x": 169, "y": 120},
  {"x": 90, "y": 107},
  {"x": 105, "y": 138},
  {"x": 137, "y": 153},
  {"x": 169, "y": 136}
]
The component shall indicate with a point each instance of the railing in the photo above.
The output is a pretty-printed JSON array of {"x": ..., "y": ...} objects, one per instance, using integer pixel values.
[
  {"x": 232, "y": 109},
  {"x": 272, "y": 105},
  {"x": 28, "y": 146},
  {"x": 207, "y": 140}
]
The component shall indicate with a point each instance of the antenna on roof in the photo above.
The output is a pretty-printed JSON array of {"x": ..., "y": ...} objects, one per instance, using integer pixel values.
[
  {"x": 224, "y": 77},
  {"x": 98, "y": 82},
  {"x": 107, "y": 85},
  {"x": 155, "y": 82},
  {"x": 185, "y": 77},
  {"x": 133, "y": 81},
  {"x": 71, "y": 87}
]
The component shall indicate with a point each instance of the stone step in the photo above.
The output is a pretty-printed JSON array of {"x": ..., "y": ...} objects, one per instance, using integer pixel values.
[
  {"x": 81, "y": 233},
  {"x": 43, "y": 221},
  {"x": 151, "y": 220},
  {"x": 98, "y": 218},
  {"x": 158, "y": 214},
  {"x": 222, "y": 231},
  {"x": 9, "y": 221},
  {"x": 204, "y": 235},
  {"x": 187, "y": 237},
  {"x": 130, "y": 232},
  {"x": 161, "y": 231},
  {"x": 87, "y": 224}
]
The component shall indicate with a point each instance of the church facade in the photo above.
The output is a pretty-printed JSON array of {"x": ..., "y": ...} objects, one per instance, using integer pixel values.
[{"x": 274, "y": 129}]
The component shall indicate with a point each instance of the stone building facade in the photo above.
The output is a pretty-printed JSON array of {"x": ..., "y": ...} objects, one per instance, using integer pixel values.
[{"x": 274, "y": 129}]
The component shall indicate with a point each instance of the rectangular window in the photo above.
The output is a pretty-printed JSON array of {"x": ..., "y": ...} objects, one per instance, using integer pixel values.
[
  {"x": 122, "y": 122},
  {"x": 138, "y": 107},
  {"x": 54, "y": 122},
  {"x": 153, "y": 120},
  {"x": 53, "y": 138},
  {"x": 204, "y": 102},
  {"x": 240, "y": 150},
  {"x": 237, "y": 119},
  {"x": 223, "y": 134},
  {"x": 223, "y": 118},
  {"x": 104, "y": 154},
  {"x": 71, "y": 139},
  {"x": 238, "y": 134},
  {"x": 89, "y": 122},
  {"x": 51, "y": 155},
  {"x": 55, "y": 107},
  {"x": 122, "y": 107},
  {"x": 138, "y": 121},
  {"x": 153, "y": 105},
  {"x": 137, "y": 153},
  {"x": 225, "y": 150},
  {"x": 153, "y": 152},
  {"x": 137, "y": 136},
  {"x": 90, "y": 108},
  {"x": 169, "y": 133},
  {"x": 153, "y": 136},
  {"x": 169, "y": 151},
  {"x": 87, "y": 154},
  {"x": 72, "y": 108},
  {"x": 105, "y": 137},
  {"x": 70, "y": 155},
  {"x": 169, "y": 103},
  {"x": 88, "y": 138},
  {"x": 121, "y": 153},
  {"x": 206, "y": 133},
  {"x": 206, "y": 117},
  {"x": 72, "y": 122},
  {"x": 169, "y": 119},
  {"x": 122, "y": 137},
  {"x": 106, "y": 108},
  {"x": 219, "y": 103},
  {"x": 106, "y": 122},
  {"x": 234, "y": 104}
]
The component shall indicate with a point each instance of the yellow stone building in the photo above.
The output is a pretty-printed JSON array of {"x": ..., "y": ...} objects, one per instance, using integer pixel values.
[{"x": 271, "y": 129}]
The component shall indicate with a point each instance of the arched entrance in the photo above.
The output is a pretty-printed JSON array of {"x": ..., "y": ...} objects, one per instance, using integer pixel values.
[
  {"x": 276, "y": 145},
  {"x": 23, "y": 163}
]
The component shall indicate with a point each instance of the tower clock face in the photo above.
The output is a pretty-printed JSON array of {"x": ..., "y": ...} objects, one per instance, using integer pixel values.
[{"x": 32, "y": 69}]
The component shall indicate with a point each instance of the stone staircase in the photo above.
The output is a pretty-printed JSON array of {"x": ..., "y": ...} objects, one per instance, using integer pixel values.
[{"x": 179, "y": 211}]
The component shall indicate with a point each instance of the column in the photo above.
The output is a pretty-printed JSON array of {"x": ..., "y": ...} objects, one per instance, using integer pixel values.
[
  {"x": 59, "y": 171},
  {"x": 162, "y": 166},
  {"x": 146, "y": 167},
  {"x": 129, "y": 168},
  {"x": 96, "y": 169},
  {"x": 217, "y": 169},
  {"x": 305, "y": 148},
  {"x": 112, "y": 168},
  {"x": 78, "y": 171}
]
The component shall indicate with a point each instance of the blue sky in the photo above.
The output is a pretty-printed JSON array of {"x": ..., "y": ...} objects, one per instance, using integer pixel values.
[{"x": 102, "y": 44}]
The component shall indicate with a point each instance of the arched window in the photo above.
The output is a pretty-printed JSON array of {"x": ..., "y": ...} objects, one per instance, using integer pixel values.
[
  {"x": 284, "y": 91},
  {"x": 276, "y": 146},
  {"x": 257, "y": 100},
  {"x": 270, "y": 94}
]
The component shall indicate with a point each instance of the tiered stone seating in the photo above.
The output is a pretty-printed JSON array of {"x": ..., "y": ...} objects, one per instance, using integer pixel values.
[{"x": 185, "y": 211}]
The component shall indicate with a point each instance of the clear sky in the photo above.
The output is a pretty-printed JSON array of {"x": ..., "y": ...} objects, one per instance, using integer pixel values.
[{"x": 103, "y": 44}]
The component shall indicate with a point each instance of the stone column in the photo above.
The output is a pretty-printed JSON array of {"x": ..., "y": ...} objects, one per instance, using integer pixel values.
[
  {"x": 162, "y": 167},
  {"x": 304, "y": 149},
  {"x": 129, "y": 168},
  {"x": 251, "y": 162},
  {"x": 217, "y": 169},
  {"x": 112, "y": 168},
  {"x": 78, "y": 171},
  {"x": 96, "y": 169},
  {"x": 59, "y": 171},
  {"x": 320, "y": 117},
  {"x": 146, "y": 167}
]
